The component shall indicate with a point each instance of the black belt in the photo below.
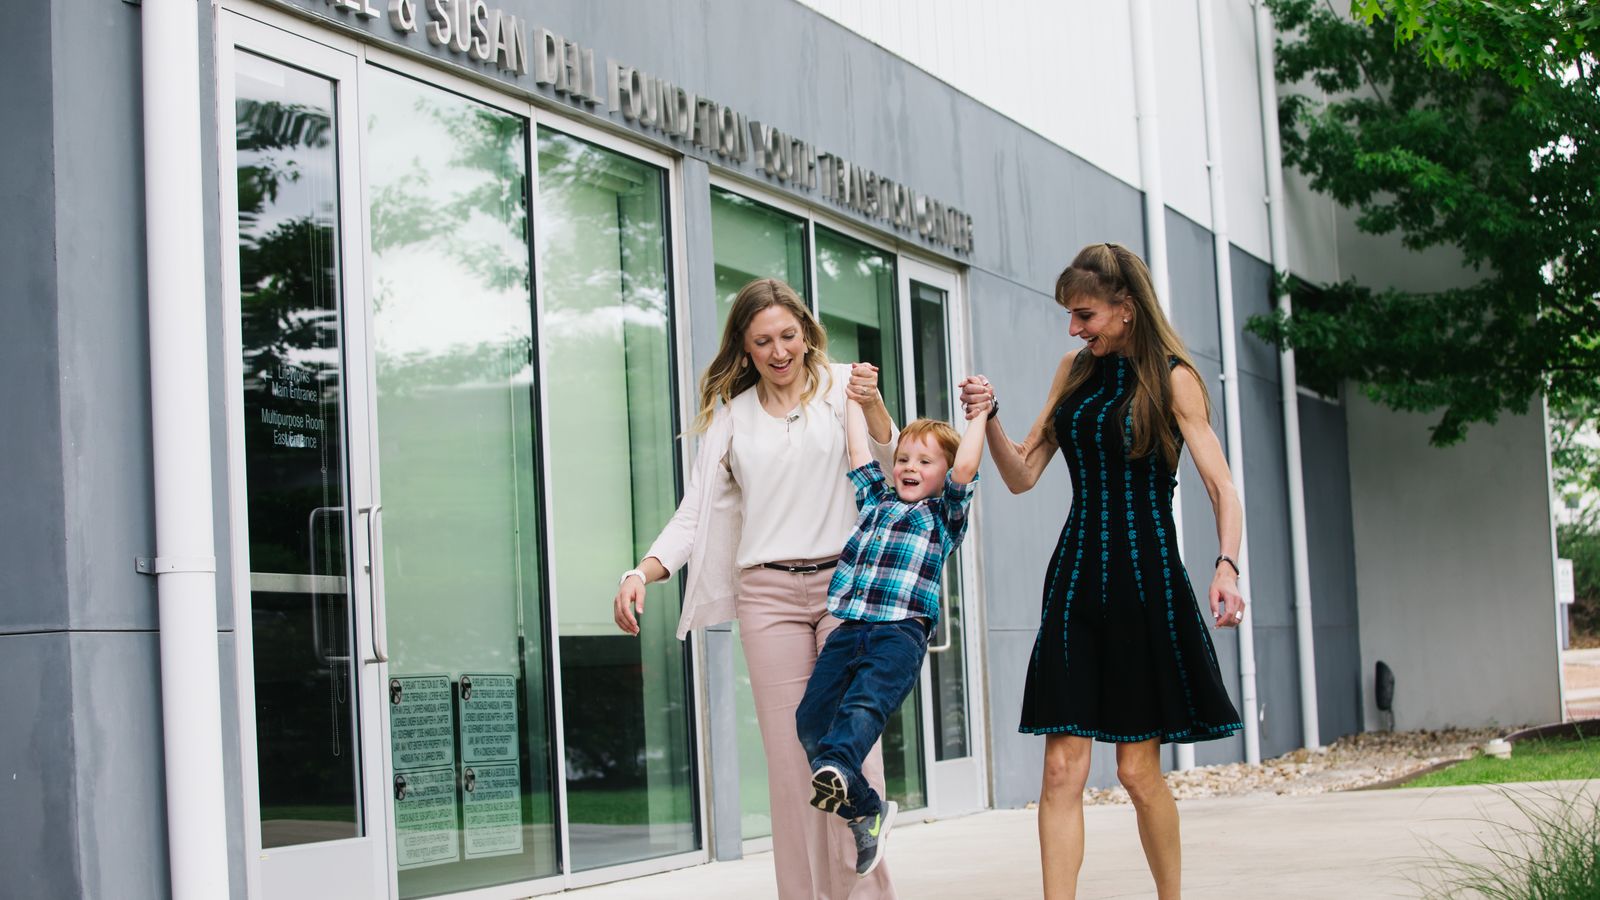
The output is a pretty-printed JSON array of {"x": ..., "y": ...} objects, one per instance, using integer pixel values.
[{"x": 806, "y": 569}]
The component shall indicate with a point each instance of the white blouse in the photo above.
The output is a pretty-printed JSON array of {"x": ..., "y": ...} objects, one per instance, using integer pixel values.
[{"x": 790, "y": 470}]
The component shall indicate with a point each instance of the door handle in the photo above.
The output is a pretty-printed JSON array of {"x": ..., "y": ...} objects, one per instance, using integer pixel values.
[
  {"x": 325, "y": 655},
  {"x": 374, "y": 566}
]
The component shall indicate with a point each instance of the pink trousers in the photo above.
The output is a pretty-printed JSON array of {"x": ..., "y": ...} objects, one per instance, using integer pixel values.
[{"x": 783, "y": 622}]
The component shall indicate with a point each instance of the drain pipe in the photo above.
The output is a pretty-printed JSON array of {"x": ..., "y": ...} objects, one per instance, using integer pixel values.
[
  {"x": 185, "y": 563},
  {"x": 1155, "y": 218},
  {"x": 1230, "y": 371},
  {"x": 1277, "y": 213}
]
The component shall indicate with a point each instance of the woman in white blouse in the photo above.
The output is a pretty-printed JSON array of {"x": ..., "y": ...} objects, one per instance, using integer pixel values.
[{"x": 761, "y": 525}]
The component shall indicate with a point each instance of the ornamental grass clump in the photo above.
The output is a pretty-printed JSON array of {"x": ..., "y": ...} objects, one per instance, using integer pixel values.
[{"x": 1555, "y": 856}]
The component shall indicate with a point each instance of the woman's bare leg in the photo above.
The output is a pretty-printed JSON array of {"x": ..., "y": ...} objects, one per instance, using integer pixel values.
[
  {"x": 1066, "y": 770},
  {"x": 1139, "y": 770}
]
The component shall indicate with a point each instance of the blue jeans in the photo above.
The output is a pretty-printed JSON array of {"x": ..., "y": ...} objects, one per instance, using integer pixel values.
[{"x": 862, "y": 675}]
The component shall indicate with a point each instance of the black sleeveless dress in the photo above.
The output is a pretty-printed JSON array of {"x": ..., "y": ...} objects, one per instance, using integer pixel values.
[{"x": 1123, "y": 653}]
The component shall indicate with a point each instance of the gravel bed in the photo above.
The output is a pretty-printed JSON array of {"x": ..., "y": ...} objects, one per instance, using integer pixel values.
[{"x": 1350, "y": 762}]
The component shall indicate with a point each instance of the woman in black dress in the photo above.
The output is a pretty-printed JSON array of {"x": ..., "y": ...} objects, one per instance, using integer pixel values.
[{"x": 1123, "y": 654}]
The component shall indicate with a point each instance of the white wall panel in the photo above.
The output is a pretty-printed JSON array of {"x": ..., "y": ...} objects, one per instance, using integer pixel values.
[
  {"x": 1064, "y": 71},
  {"x": 1244, "y": 153},
  {"x": 1181, "y": 107}
]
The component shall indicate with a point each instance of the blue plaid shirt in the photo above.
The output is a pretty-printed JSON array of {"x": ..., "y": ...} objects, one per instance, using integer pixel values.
[{"x": 892, "y": 563}]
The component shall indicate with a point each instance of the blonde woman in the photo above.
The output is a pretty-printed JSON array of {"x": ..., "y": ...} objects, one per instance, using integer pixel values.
[
  {"x": 1123, "y": 655},
  {"x": 761, "y": 526}
]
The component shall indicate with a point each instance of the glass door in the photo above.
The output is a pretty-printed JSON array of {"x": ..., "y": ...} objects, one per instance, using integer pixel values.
[
  {"x": 935, "y": 361},
  {"x": 468, "y": 690},
  {"x": 310, "y": 659},
  {"x": 856, "y": 302}
]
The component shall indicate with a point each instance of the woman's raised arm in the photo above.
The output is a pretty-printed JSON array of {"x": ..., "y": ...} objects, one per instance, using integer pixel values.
[{"x": 1021, "y": 464}]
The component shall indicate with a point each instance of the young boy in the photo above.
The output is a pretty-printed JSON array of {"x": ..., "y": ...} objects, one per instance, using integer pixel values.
[{"x": 886, "y": 589}]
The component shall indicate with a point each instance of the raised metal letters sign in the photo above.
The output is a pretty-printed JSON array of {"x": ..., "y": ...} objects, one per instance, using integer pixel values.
[{"x": 492, "y": 39}]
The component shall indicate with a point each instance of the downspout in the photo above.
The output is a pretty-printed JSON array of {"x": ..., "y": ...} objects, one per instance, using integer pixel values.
[
  {"x": 1305, "y": 639},
  {"x": 1155, "y": 216},
  {"x": 1232, "y": 412},
  {"x": 185, "y": 563}
]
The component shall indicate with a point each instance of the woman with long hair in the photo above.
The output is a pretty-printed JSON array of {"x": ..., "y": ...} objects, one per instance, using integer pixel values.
[
  {"x": 1123, "y": 654},
  {"x": 761, "y": 525}
]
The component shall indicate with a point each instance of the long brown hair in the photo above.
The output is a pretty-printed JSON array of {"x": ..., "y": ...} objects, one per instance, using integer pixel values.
[
  {"x": 730, "y": 373},
  {"x": 1116, "y": 275}
]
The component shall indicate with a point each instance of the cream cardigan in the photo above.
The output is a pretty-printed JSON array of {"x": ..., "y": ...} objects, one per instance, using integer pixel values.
[{"x": 704, "y": 532}]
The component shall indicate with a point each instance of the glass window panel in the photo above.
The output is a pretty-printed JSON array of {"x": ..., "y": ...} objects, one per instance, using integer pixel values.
[
  {"x": 453, "y": 340},
  {"x": 605, "y": 333},
  {"x": 930, "y": 354},
  {"x": 295, "y": 479},
  {"x": 751, "y": 240},
  {"x": 856, "y": 303}
]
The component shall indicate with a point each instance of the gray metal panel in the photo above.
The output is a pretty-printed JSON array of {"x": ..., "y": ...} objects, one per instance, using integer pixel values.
[
  {"x": 103, "y": 318},
  {"x": 220, "y": 388},
  {"x": 1252, "y": 296},
  {"x": 116, "y": 710},
  {"x": 1192, "y": 271},
  {"x": 1266, "y": 500},
  {"x": 1019, "y": 336},
  {"x": 727, "y": 837},
  {"x": 38, "y": 791},
  {"x": 699, "y": 256},
  {"x": 232, "y": 765},
  {"x": 1331, "y": 539},
  {"x": 33, "y": 539},
  {"x": 1271, "y": 586},
  {"x": 1017, "y": 759},
  {"x": 1277, "y": 690}
]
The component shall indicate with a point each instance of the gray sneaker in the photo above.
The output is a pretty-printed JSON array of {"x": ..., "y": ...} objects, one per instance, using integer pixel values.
[
  {"x": 871, "y": 833},
  {"x": 829, "y": 789}
]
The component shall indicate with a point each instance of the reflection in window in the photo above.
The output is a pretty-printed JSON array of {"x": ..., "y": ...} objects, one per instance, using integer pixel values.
[
  {"x": 452, "y": 338},
  {"x": 605, "y": 335},
  {"x": 289, "y": 317},
  {"x": 856, "y": 302},
  {"x": 751, "y": 240}
]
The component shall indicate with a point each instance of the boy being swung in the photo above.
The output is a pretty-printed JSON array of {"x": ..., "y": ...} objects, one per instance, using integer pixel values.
[{"x": 886, "y": 589}]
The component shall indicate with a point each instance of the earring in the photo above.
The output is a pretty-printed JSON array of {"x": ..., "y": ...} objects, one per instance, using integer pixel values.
[
  {"x": 744, "y": 361},
  {"x": 1124, "y": 321}
]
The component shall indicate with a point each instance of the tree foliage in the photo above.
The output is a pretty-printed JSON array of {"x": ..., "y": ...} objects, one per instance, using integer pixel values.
[{"x": 1458, "y": 124}]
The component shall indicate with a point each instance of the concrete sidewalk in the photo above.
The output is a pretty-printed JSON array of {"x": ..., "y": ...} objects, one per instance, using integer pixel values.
[{"x": 1359, "y": 844}]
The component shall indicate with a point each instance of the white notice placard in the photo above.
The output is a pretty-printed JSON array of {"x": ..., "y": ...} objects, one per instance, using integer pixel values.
[
  {"x": 421, "y": 722},
  {"x": 488, "y": 719},
  {"x": 491, "y": 809},
  {"x": 425, "y": 818}
]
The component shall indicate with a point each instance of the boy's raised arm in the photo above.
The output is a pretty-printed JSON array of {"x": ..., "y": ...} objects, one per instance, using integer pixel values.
[
  {"x": 855, "y": 430},
  {"x": 970, "y": 452}
]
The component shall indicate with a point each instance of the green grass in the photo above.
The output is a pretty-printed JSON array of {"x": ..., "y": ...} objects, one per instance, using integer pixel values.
[
  {"x": 1537, "y": 760},
  {"x": 1555, "y": 856}
]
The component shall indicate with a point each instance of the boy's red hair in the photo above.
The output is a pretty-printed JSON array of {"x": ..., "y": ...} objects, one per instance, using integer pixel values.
[{"x": 940, "y": 433}]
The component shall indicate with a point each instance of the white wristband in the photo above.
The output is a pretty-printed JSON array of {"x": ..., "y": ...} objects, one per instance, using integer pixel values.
[{"x": 629, "y": 574}]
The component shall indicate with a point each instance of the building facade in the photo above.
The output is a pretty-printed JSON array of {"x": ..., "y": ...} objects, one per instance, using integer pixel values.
[{"x": 461, "y": 264}]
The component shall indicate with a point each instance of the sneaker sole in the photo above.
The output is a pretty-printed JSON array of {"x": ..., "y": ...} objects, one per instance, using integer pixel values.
[
  {"x": 889, "y": 809},
  {"x": 829, "y": 790}
]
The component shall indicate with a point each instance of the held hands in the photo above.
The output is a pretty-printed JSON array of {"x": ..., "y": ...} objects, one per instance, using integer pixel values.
[
  {"x": 977, "y": 395},
  {"x": 863, "y": 387},
  {"x": 1227, "y": 604}
]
